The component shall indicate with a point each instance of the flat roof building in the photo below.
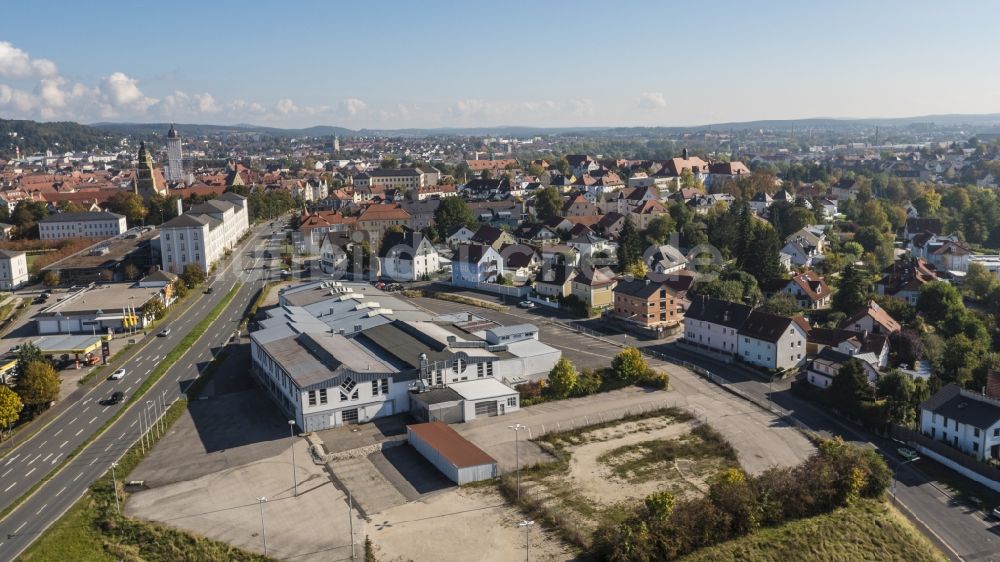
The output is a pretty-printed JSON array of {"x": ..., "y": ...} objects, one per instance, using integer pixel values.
[{"x": 457, "y": 458}]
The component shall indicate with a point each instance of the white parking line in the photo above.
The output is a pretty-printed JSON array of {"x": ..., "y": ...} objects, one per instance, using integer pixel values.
[
  {"x": 27, "y": 474},
  {"x": 93, "y": 420},
  {"x": 78, "y": 476}
]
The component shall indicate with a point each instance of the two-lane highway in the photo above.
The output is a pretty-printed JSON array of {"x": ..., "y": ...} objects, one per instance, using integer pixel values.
[{"x": 37, "y": 457}]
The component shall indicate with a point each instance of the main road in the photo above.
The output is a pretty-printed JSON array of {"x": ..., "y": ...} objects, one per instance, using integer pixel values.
[{"x": 38, "y": 456}]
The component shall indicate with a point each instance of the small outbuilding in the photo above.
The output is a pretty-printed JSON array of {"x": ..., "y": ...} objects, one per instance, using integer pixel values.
[{"x": 457, "y": 458}]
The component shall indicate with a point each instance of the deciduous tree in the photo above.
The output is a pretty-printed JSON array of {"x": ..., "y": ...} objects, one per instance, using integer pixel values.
[
  {"x": 10, "y": 407},
  {"x": 562, "y": 378},
  {"x": 38, "y": 385}
]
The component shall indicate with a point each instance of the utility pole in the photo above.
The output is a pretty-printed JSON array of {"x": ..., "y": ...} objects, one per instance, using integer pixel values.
[
  {"x": 114, "y": 485},
  {"x": 527, "y": 543},
  {"x": 261, "y": 501},
  {"x": 350, "y": 521},
  {"x": 295, "y": 480},
  {"x": 517, "y": 456}
]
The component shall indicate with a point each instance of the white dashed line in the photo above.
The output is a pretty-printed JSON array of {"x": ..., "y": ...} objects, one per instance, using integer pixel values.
[
  {"x": 6, "y": 473},
  {"x": 78, "y": 476},
  {"x": 57, "y": 433},
  {"x": 10, "y": 460},
  {"x": 46, "y": 459},
  {"x": 93, "y": 420},
  {"x": 34, "y": 459},
  {"x": 43, "y": 443},
  {"x": 133, "y": 423},
  {"x": 7, "y": 489},
  {"x": 72, "y": 420},
  {"x": 61, "y": 491},
  {"x": 79, "y": 432},
  {"x": 40, "y": 509},
  {"x": 109, "y": 447},
  {"x": 55, "y": 460},
  {"x": 21, "y": 526},
  {"x": 27, "y": 474},
  {"x": 92, "y": 462}
]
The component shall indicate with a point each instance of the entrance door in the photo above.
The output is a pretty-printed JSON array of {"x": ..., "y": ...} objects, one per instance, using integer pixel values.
[{"x": 349, "y": 416}]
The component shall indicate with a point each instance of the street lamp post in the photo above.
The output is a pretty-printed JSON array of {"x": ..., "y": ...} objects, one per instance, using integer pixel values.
[
  {"x": 895, "y": 472},
  {"x": 517, "y": 456},
  {"x": 295, "y": 480},
  {"x": 261, "y": 501},
  {"x": 527, "y": 543},
  {"x": 155, "y": 418},
  {"x": 142, "y": 435},
  {"x": 114, "y": 485}
]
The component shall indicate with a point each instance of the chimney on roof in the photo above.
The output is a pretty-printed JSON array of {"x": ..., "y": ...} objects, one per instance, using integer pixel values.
[{"x": 684, "y": 154}]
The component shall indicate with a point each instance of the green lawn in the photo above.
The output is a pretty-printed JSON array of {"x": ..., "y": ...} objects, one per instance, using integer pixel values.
[{"x": 869, "y": 530}]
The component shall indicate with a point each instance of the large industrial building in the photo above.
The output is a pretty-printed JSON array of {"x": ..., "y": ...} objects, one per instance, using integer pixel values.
[{"x": 334, "y": 353}]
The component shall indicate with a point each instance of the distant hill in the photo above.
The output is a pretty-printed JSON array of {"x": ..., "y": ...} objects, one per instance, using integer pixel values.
[{"x": 32, "y": 136}]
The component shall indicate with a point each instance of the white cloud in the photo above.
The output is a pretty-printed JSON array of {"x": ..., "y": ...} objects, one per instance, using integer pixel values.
[
  {"x": 652, "y": 100},
  {"x": 17, "y": 63},
  {"x": 206, "y": 103},
  {"x": 120, "y": 92},
  {"x": 354, "y": 106},
  {"x": 286, "y": 106}
]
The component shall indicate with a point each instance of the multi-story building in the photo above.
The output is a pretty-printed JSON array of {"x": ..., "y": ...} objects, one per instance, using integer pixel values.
[
  {"x": 595, "y": 287},
  {"x": 645, "y": 303},
  {"x": 100, "y": 224},
  {"x": 175, "y": 156},
  {"x": 376, "y": 219},
  {"x": 712, "y": 324},
  {"x": 203, "y": 234},
  {"x": 476, "y": 263},
  {"x": 403, "y": 179},
  {"x": 13, "y": 270},
  {"x": 772, "y": 341},
  {"x": 407, "y": 256},
  {"x": 966, "y": 420}
]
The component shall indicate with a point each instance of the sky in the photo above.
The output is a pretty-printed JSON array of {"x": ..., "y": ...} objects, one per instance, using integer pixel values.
[{"x": 552, "y": 63}]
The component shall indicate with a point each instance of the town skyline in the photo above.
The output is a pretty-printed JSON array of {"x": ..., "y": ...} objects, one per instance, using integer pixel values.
[{"x": 462, "y": 66}]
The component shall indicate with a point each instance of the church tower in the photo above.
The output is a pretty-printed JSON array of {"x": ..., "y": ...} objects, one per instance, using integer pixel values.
[
  {"x": 145, "y": 177},
  {"x": 175, "y": 156}
]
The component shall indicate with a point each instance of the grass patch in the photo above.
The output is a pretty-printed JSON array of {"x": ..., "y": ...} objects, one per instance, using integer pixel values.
[
  {"x": 868, "y": 530},
  {"x": 92, "y": 530},
  {"x": 648, "y": 460},
  {"x": 157, "y": 373}
]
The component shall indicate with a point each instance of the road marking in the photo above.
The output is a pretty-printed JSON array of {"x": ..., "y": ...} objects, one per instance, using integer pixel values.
[
  {"x": 72, "y": 420},
  {"x": 149, "y": 371},
  {"x": 79, "y": 432},
  {"x": 6, "y": 473},
  {"x": 47, "y": 457},
  {"x": 78, "y": 476},
  {"x": 34, "y": 459},
  {"x": 7, "y": 489},
  {"x": 92, "y": 462},
  {"x": 60, "y": 491},
  {"x": 27, "y": 474},
  {"x": 10, "y": 460},
  {"x": 55, "y": 460},
  {"x": 85, "y": 410},
  {"x": 40, "y": 509},
  {"x": 133, "y": 423},
  {"x": 122, "y": 436},
  {"x": 128, "y": 389},
  {"x": 20, "y": 527},
  {"x": 57, "y": 433},
  {"x": 43, "y": 443},
  {"x": 85, "y": 402},
  {"x": 93, "y": 420},
  {"x": 109, "y": 447}
]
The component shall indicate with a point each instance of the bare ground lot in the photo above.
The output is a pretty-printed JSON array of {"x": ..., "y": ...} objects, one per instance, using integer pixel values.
[{"x": 471, "y": 524}]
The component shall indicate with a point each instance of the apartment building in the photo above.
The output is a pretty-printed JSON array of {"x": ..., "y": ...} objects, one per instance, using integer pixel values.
[
  {"x": 13, "y": 270},
  {"x": 202, "y": 235},
  {"x": 98, "y": 224}
]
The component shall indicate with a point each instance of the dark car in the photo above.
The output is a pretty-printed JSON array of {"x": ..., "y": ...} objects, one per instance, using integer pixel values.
[
  {"x": 208, "y": 291},
  {"x": 116, "y": 398}
]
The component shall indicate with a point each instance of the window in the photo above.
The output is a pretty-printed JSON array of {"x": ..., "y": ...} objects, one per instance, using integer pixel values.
[
  {"x": 322, "y": 396},
  {"x": 975, "y": 447},
  {"x": 375, "y": 388},
  {"x": 355, "y": 395},
  {"x": 385, "y": 386},
  {"x": 512, "y": 401},
  {"x": 312, "y": 397},
  {"x": 975, "y": 431}
]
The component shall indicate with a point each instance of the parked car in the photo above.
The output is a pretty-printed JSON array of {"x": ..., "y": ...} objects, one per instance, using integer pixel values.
[
  {"x": 907, "y": 453},
  {"x": 208, "y": 291},
  {"x": 117, "y": 375},
  {"x": 526, "y": 304},
  {"x": 116, "y": 398},
  {"x": 164, "y": 332}
]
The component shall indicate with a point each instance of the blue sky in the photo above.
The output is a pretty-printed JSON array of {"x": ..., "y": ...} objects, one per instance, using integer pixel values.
[{"x": 542, "y": 63}]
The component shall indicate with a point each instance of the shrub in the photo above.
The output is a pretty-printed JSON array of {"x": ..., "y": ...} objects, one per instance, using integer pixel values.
[
  {"x": 629, "y": 366},
  {"x": 654, "y": 379},
  {"x": 588, "y": 382}
]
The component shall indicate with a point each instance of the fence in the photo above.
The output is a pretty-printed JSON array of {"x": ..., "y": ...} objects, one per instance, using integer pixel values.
[{"x": 505, "y": 290}]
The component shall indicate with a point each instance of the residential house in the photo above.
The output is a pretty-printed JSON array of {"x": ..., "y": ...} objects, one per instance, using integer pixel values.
[
  {"x": 760, "y": 202},
  {"x": 773, "y": 342},
  {"x": 375, "y": 220},
  {"x": 595, "y": 287},
  {"x": 476, "y": 263},
  {"x": 554, "y": 281},
  {"x": 966, "y": 420},
  {"x": 13, "y": 270},
  {"x": 646, "y": 212},
  {"x": 535, "y": 233},
  {"x": 461, "y": 235},
  {"x": 712, "y": 324},
  {"x": 667, "y": 259},
  {"x": 493, "y": 237},
  {"x": 483, "y": 189},
  {"x": 873, "y": 318},
  {"x": 720, "y": 172},
  {"x": 334, "y": 251},
  {"x": 916, "y": 225},
  {"x": 904, "y": 278},
  {"x": 823, "y": 368},
  {"x": 610, "y": 224},
  {"x": 579, "y": 206},
  {"x": 808, "y": 288},
  {"x": 421, "y": 212},
  {"x": 645, "y": 303},
  {"x": 589, "y": 244},
  {"x": 202, "y": 235},
  {"x": 407, "y": 256},
  {"x": 520, "y": 262}
]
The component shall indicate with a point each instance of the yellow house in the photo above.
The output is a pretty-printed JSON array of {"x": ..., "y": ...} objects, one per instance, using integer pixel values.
[{"x": 595, "y": 287}]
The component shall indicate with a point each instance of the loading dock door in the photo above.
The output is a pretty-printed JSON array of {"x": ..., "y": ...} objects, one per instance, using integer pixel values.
[{"x": 488, "y": 409}]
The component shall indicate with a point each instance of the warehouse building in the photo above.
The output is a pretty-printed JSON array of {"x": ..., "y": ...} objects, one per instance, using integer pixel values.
[
  {"x": 99, "y": 309},
  {"x": 334, "y": 353},
  {"x": 458, "y": 459}
]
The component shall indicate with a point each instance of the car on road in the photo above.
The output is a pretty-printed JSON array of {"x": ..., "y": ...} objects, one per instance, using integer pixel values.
[
  {"x": 526, "y": 304},
  {"x": 208, "y": 291},
  {"x": 164, "y": 332},
  {"x": 116, "y": 397},
  {"x": 907, "y": 453},
  {"x": 117, "y": 375}
]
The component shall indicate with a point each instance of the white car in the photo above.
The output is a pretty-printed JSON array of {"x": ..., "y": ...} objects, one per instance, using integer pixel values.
[
  {"x": 526, "y": 304},
  {"x": 117, "y": 375},
  {"x": 906, "y": 453}
]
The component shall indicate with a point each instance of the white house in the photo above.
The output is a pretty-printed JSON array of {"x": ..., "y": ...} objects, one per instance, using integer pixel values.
[
  {"x": 760, "y": 202},
  {"x": 100, "y": 224},
  {"x": 407, "y": 256},
  {"x": 772, "y": 341},
  {"x": 203, "y": 234},
  {"x": 460, "y": 236},
  {"x": 476, "y": 263},
  {"x": 827, "y": 364},
  {"x": 712, "y": 324},
  {"x": 966, "y": 420},
  {"x": 13, "y": 270}
]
